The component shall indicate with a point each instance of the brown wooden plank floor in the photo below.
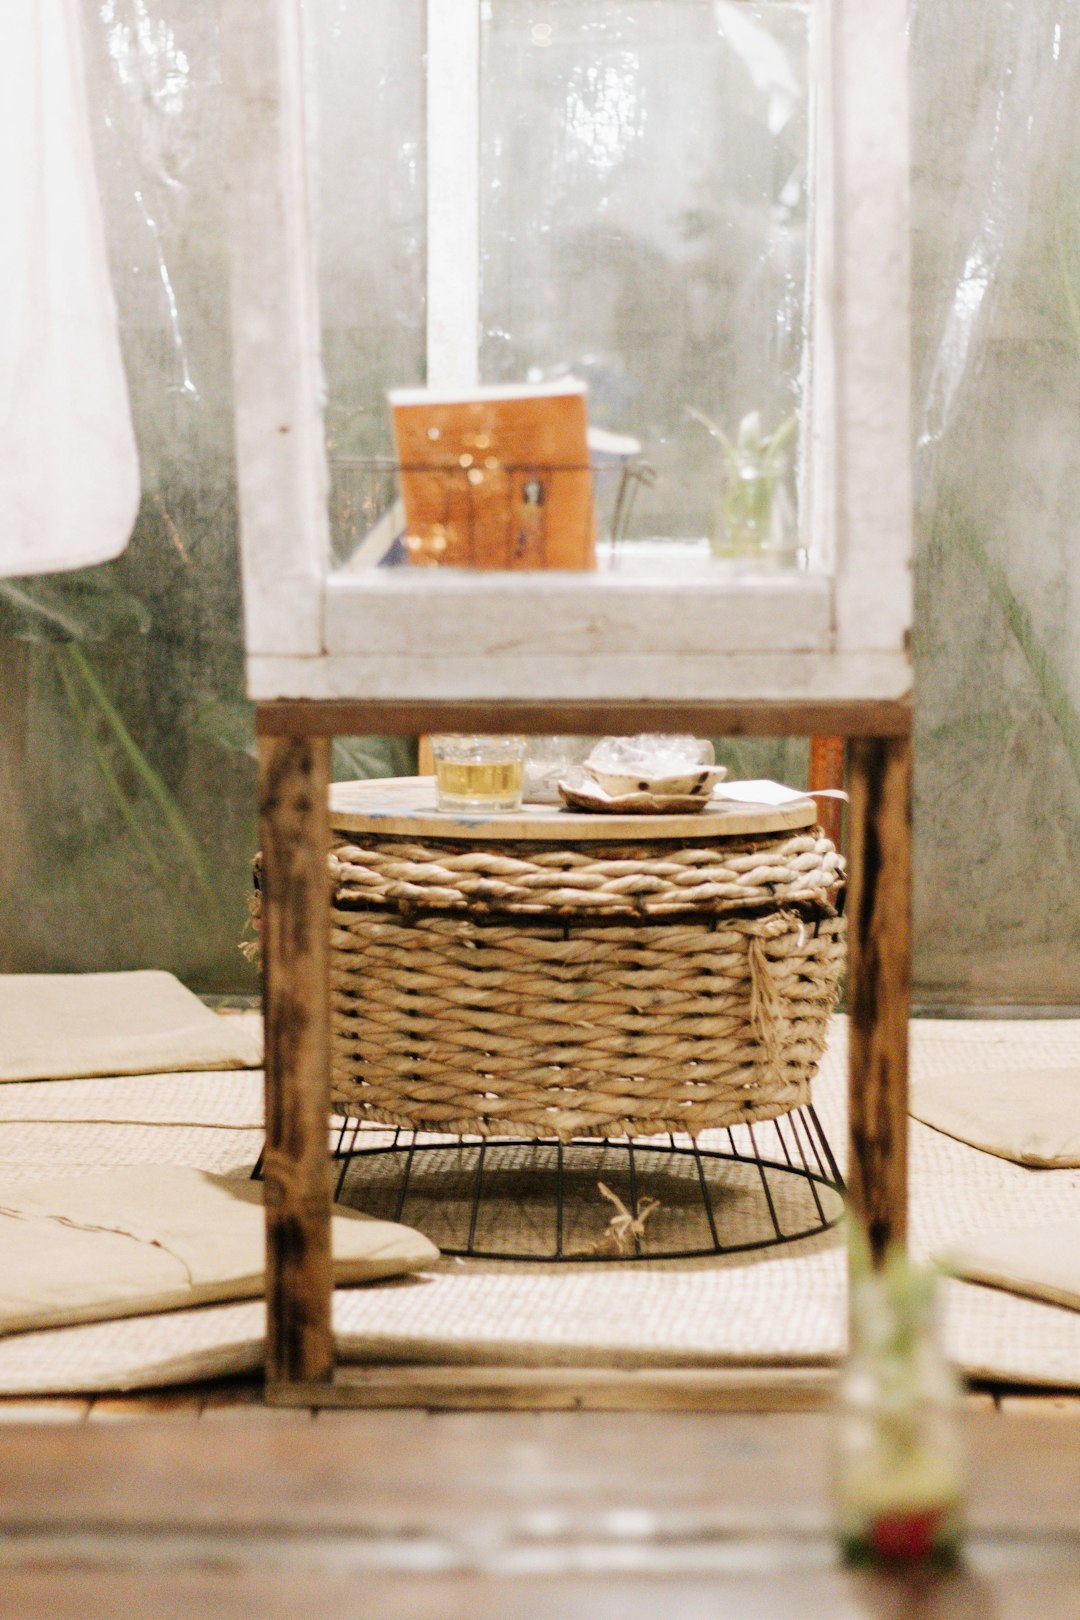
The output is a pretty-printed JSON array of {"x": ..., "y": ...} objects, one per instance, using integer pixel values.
[
  {"x": 207, "y": 1506},
  {"x": 806, "y": 1595},
  {"x": 228, "y": 1396}
]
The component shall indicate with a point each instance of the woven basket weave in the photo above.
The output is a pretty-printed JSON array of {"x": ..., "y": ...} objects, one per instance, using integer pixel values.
[{"x": 598, "y": 990}]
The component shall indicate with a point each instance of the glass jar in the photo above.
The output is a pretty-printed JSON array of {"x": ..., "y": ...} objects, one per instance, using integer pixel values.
[
  {"x": 547, "y": 761},
  {"x": 899, "y": 1467},
  {"x": 755, "y": 519},
  {"x": 478, "y": 774}
]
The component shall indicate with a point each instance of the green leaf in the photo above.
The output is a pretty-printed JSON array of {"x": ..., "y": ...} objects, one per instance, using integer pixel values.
[
  {"x": 952, "y": 529},
  {"x": 715, "y": 430},
  {"x": 83, "y": 606},
  {"x": 88, "y": 697},
  {"x": 228, "y": 723},
  {"x": 750, "y": 434},
  {"x": 750, "y": 451},
  {"x": 780, "y": 439},
  {"x": 356, "y": 758}
]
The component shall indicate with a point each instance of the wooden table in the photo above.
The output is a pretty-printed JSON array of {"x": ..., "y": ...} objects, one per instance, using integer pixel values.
[
  {"x": 294, "y": 764},
  {"x": 404, "y": 807},
  {"x": 458, "y": 1517}
]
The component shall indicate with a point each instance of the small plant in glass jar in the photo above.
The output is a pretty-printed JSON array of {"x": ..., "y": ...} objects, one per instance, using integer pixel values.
[
  {"x": 754, "y": 519},
  {"x": 899, "y": 1468}
]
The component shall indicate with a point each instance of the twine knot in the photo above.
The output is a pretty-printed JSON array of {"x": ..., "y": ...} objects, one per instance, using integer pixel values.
[{"x": 625, "y": 1231}]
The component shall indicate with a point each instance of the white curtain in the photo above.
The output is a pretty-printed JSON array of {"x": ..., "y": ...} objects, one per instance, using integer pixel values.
[{"x": 69, "y": 477}]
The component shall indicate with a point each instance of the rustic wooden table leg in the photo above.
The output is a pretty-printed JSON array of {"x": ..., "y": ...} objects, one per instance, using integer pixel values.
[
  {"x": 827, "y": 771},
  {"x": 294, "y": 774},
  {"x": 15, "y": 768},
  {"x": 879, "y": 984}
]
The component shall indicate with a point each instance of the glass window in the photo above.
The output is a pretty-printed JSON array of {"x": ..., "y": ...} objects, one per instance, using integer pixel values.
[
  {"x": 643, "y": 188},
  {"x": 635, "y": 181}
]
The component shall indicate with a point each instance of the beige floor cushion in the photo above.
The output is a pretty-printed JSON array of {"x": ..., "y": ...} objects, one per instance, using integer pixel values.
[
  {"x": 1031, "y": 1116},
  {"x": 1042, "y": 1262},
  {"x": 60, "y": 1026},
  {"x": 143, "y": 1238}
]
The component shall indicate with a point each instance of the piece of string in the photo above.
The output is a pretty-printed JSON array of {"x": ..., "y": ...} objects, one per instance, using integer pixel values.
[
  {"x": 766, "y": 1006},
  {"x": 625, "y": 1231}
]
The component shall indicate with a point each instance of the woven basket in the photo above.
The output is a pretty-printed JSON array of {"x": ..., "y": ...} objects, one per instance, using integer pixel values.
[{"x": 594, "y": 990}]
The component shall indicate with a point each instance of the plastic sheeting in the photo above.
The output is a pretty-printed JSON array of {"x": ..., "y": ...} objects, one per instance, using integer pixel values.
[
  {"x": 997, "y": 335},
  {"x": 643, "y": 186},
  {"x": 128, "y": 852},
  {"x": 69, "y": 477},
  {"x": 641, "y": 182}
]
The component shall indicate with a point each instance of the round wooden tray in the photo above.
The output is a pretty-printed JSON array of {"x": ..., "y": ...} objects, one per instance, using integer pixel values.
[{"x": 405, "y": 805}]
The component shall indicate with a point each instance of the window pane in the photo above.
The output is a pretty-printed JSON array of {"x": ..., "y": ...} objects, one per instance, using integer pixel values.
[
  {"x": 368, "y": 169},
  {"x": 643, "y": 221}
]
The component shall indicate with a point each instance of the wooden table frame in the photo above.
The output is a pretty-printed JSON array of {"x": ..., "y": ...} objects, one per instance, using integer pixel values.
[
  {"x": 294, "y": 780},
  {"x": 333, "y": 650}
]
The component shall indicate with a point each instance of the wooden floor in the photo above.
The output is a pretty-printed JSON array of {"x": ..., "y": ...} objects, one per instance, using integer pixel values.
[
  {"x": 206, "y": 1503},
  {"x": 232, "y": 1397}
]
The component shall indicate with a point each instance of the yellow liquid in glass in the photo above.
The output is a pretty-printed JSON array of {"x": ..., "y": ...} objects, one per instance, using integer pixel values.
[{"x": 478, "y": 784}]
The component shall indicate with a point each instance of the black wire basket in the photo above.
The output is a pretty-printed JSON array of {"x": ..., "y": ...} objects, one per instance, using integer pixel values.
[
  {"x": 596, "y": 1199},
  {"x": 655, "y": 1198}
]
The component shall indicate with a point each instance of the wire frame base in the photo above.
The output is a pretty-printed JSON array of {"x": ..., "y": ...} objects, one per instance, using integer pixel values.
[{"x": 655, "y": 1198}]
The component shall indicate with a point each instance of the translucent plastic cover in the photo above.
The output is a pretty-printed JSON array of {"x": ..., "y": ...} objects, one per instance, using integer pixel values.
[
  {"x": 639, "y": 185},
  {"x": 127, "y": 778},
  {"x": 997, "y": 626}
]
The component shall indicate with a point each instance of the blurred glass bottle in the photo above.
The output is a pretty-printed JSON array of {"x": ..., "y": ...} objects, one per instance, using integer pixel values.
[{"x": 899, "y": 1475}]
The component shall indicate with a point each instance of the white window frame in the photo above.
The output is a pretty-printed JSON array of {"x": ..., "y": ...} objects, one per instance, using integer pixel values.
[{"x": 836, "y": 632}]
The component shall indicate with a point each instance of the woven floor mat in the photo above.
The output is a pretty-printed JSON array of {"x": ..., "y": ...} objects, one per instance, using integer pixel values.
[
  {"x": 30, "y": 1150},
  {"x": 779, "y": 1306},
  {"x": 62, "y": 1026},
  {"x": 784, "y": 1306},
  {"x": 138, "y": 1352},
  {"x": 228, "y": 1099}
]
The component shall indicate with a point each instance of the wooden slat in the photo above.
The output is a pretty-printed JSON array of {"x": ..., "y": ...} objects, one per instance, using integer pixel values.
[
  {"x": 294, "y": 774},
  {"x": 879, "y": 985},
  {"x": 14, "y": 787},
  {"x": 670, "y": 612},
  {"x": 405, "y": 805},
  {"x": 474, "y": 1483},
  {"x": 589, "y": 683},
  {"x": 152, "y": 1404},
  {"x": 870, "y": 296},
  {"x": 1066, "y": 1407},
  {"x": 455, "y": 1388},
  {"x": 280, "y": 458},
  {"x": 223, "y": 1416},
  {"x": 810, "y": 1594},
  {"x": 981, "y": 1400},
  {"x": 408, "y": 1472},
  {"x": 355, "y": 717},
  {"x": 452, "y": 158},
  {"x": 827, "y": 772},
  {"x": 46, "y": 1409}
]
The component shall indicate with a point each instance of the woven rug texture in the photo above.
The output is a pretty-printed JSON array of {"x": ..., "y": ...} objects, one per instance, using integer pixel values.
[{"x": 784, "y": 1306}]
